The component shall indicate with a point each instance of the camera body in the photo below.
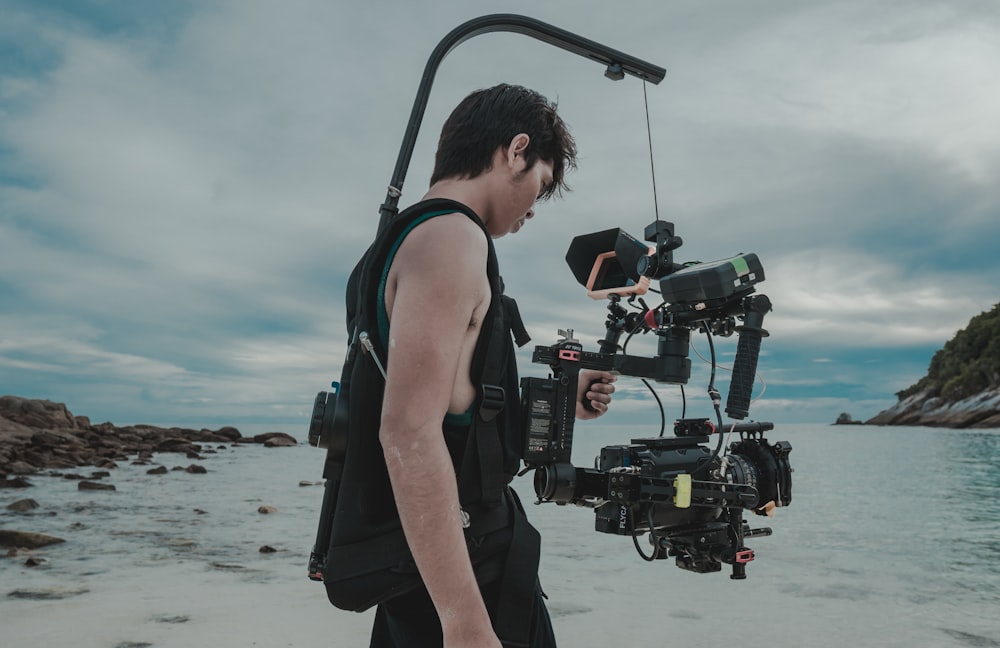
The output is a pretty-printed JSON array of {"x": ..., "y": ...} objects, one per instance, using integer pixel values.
[{"x": 686, "y": 496}]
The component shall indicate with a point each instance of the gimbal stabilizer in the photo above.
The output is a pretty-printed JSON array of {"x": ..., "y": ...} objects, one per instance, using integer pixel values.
[{"x": 650, "y": 485}]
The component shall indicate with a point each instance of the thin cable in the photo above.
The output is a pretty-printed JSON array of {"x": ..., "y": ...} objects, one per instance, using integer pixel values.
[
  {"x": 649, "y": 135},
  {"x": 635, "y": 538},
  {"x": 659, "y": 403},
  {"x": 716, "y": 400}
]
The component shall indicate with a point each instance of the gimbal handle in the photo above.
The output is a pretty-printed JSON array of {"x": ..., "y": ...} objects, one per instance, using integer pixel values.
[{"x": 618, "y": 64}]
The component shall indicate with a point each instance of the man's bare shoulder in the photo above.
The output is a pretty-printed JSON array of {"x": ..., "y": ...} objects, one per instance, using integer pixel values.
[{"x": 449, "y": 240}]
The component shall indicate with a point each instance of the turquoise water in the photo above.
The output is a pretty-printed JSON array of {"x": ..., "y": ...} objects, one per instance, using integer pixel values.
[{"x": 892, "y": 539}]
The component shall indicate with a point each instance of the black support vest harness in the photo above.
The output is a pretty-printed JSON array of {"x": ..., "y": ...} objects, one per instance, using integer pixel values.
[{"x": 368, "y": 560}]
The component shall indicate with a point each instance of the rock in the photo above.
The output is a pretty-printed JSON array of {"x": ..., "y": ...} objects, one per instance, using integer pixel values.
[
  {"x": 990, "y": 422},
  {"x": 275, "y": 440},
  {"x": 47, "y": 594},
  {"x": 36, "y": 435},
  {"x": 176, "y": 445},
  {"x": 847, "y": 419},
  {"x": 27, "y": 539},
  {"x": 229, "y": 433},
  {"x": 40, "y": 414},
  {"x": 53, "y": 439},
  {"x": 267, "y": 509},
  {"x": 159, "y": 470},
  {"x": 196, "y": 469},
  {"x": 926, "y": 408},
  {"x": 17, "y": 482},
  {"x": 268, "y": 549},
  {"x": 33, "y": 562},
  {"x": 20, "y": 468},
  {"x": 227, "y": 566},
  {"x": 95, "y": 486},
  {"x": 20, "y": 506}
]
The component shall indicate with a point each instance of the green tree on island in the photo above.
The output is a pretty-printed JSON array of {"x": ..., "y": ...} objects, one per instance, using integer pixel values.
[{"x": 967, "y": 365}]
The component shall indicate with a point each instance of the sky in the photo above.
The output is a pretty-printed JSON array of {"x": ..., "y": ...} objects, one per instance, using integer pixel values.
[{"x": 184, "y": 187}]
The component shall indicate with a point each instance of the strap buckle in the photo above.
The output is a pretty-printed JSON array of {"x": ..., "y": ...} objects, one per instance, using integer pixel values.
[{"x": 492, "y": 402}]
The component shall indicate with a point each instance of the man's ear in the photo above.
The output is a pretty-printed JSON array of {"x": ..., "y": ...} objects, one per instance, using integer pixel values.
[{"x": 518, "y": 145}]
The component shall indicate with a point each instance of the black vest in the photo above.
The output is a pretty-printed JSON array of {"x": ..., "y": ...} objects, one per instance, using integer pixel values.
[{"x": 367, "y": 553}]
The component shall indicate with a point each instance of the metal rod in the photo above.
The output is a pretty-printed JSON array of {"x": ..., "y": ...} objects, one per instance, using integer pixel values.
[{"x": 618, "y": 61}]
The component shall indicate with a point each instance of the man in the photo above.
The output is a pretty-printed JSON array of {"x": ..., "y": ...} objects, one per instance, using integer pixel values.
[{"x": 501, "y": 150}]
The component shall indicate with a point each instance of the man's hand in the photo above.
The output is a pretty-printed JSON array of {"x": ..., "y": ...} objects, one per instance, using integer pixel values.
[{"x": 596, "y": 388}]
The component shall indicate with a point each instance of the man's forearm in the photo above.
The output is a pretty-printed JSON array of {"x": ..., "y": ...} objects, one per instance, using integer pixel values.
[{"x": 426, "y": 493}]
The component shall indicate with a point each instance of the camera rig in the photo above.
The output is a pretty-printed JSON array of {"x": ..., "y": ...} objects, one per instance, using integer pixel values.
[{"x": 688, "y": 498}]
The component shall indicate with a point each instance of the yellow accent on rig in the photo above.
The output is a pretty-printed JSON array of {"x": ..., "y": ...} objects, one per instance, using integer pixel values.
[{"x": 682, "y": 484}]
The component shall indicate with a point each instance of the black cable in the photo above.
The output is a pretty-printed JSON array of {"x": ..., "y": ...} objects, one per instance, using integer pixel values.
[
  {"x": 659, "y": 403},
  {"x": 716, "y": 401},
  {"x": 649, "y": 136},
  {"x": 635, "y": 538}
]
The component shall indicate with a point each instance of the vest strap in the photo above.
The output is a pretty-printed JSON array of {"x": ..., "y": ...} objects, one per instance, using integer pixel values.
[{"x": 491, "y": 401}]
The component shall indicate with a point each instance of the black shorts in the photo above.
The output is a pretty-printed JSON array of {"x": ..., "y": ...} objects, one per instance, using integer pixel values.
[{"x": 410, "y": 620}]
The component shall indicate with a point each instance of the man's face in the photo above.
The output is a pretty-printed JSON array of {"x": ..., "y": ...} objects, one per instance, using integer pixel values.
[{"x": 526, "y": 186}]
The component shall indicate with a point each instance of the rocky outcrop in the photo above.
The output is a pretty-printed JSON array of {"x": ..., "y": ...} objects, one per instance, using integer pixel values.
[
  {"x": 38, "y": 434},
  {"x": 847, "y": 419},
  {"x": 962, "y": 385},
  {"x": 924, "y": 408}
]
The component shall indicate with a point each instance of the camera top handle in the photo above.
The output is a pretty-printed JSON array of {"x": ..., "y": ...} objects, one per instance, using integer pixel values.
[{"x": 619, "y": 64}]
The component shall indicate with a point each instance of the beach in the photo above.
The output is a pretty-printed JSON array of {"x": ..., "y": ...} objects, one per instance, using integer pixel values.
[{"x": 873, "y": 551}]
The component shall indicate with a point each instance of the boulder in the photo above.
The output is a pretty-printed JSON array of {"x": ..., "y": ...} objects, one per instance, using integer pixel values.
[
  {"x": 176, "y": 445},
  {"x": 229, "y": 433},
  {"x": 27, "y": 539},
  {"x": 41, "y": 414},
  {"x": 275, "y": 440},
  {"x": 95, "y": 486},
  {"x": 22, "y": 505}
]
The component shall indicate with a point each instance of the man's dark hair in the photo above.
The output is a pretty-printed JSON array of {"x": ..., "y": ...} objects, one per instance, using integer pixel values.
[{"x": 489, "y": 119}]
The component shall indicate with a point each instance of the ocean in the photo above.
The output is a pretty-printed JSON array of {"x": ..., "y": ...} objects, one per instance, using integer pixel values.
[{"x": 892, "y": 539}]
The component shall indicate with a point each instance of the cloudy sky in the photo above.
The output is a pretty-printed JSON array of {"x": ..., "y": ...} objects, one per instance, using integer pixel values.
[{"x": 184, "y": 186}]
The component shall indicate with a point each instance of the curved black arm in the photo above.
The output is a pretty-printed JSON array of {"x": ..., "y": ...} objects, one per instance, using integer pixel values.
[{"x": 618, "y": 64}]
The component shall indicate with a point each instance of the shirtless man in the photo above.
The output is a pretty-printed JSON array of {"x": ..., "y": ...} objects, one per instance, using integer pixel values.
[{"x": 501, "y": 151}]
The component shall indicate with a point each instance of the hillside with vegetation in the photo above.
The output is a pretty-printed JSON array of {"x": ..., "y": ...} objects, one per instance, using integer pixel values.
[{"x": 962, "y": 385}]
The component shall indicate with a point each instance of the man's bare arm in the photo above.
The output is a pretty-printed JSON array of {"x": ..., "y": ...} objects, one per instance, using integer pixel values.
[{"x": 438, "y": 281}]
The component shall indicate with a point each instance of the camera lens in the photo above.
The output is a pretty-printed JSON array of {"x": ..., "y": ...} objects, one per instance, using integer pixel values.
[{"x": 555, "y": 482}]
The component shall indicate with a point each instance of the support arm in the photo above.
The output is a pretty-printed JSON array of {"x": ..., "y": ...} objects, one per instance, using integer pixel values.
[{"x": 618, "y": 64}]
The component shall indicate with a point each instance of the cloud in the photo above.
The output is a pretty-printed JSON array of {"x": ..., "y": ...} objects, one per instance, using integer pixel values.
[{"x": 184, "y": 189}]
